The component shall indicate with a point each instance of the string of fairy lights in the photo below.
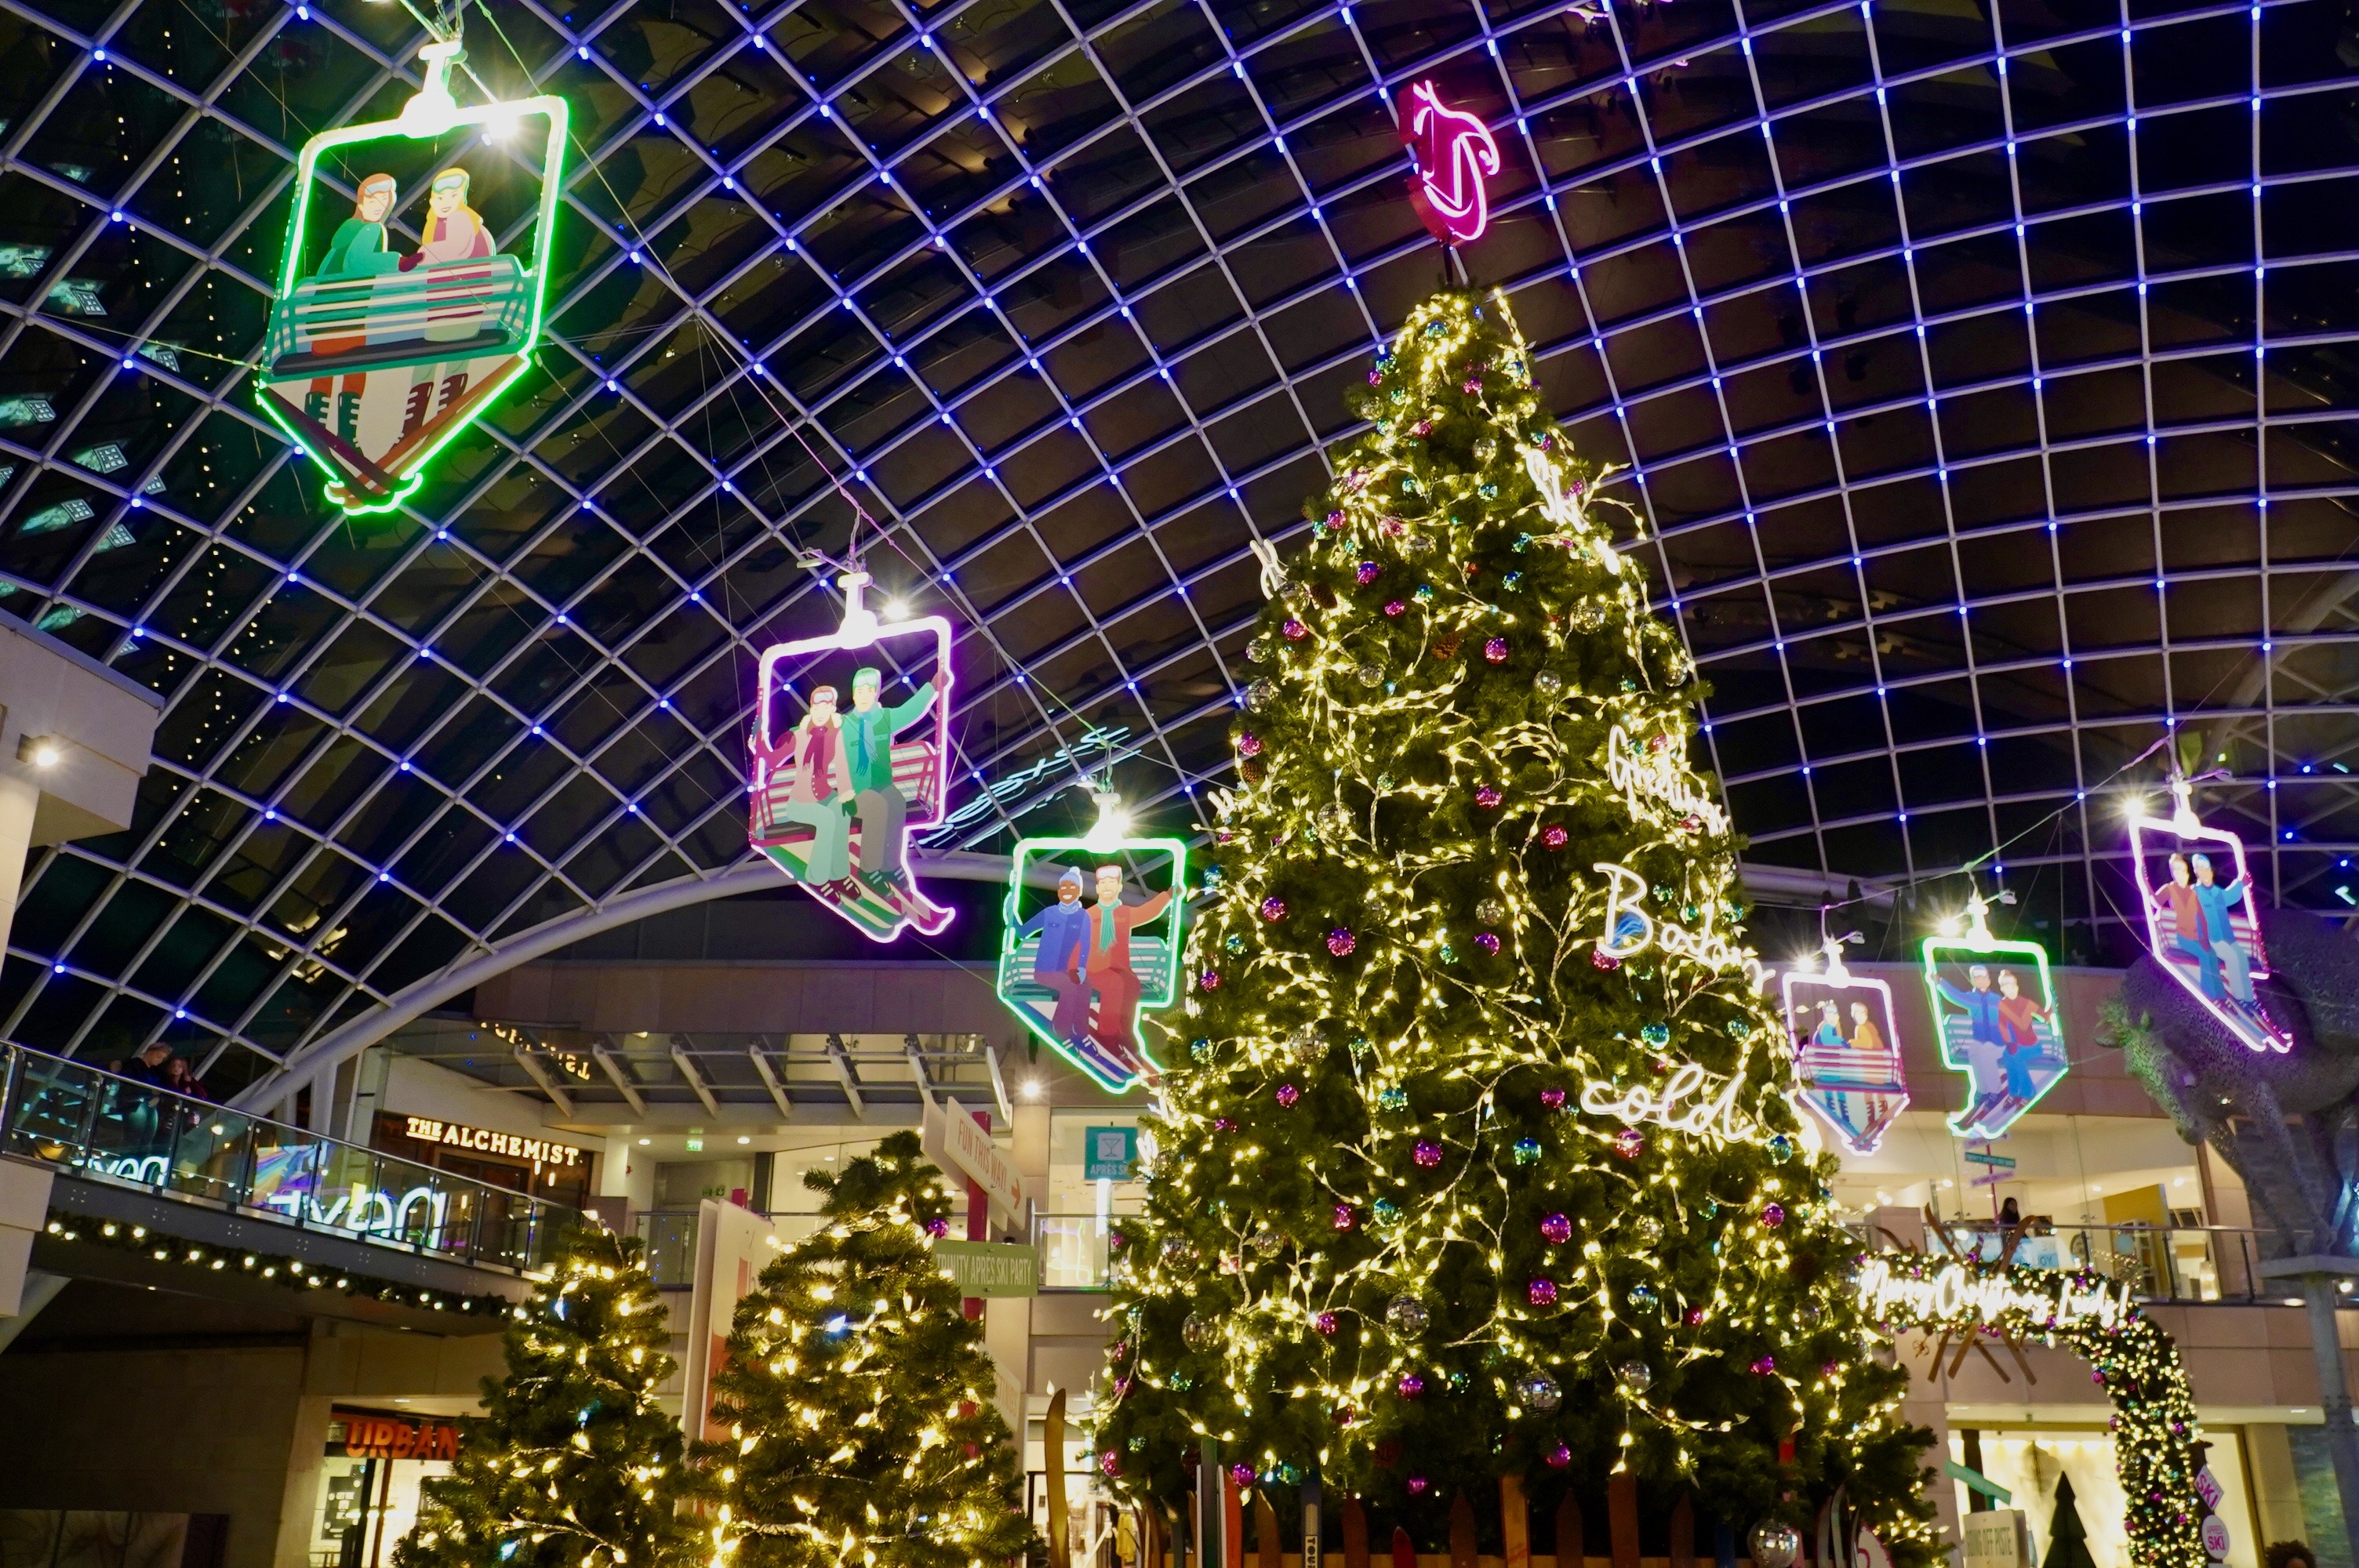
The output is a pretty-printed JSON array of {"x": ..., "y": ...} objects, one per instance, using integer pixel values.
[
  {"x": 1463, "y": 649},
  {"x": 2153, "y": 1424}
]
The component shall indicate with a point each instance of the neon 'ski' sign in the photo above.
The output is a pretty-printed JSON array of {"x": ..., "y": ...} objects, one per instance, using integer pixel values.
[{"x": 1454, "y": 153}]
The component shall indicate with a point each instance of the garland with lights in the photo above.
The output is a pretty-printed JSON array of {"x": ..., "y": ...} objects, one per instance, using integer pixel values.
[
  {"x": 292, "y": 1273},
  {"x": 857, "y": 1396},
  {"x": 573, "y": 1464},
  {"x": 2137, "y": 1363},
  {"x": 1474, "y": 1156}
]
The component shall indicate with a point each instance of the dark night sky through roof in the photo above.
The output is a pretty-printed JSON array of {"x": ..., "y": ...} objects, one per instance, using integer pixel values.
[{"x": 1986, "y": 366}]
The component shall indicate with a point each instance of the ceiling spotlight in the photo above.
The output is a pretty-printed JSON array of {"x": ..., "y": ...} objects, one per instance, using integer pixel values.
[
  {"x": 41, "y": 751},
  {"x": 1033, "y": 1088},
  {"x": 744, "y": 1140}
]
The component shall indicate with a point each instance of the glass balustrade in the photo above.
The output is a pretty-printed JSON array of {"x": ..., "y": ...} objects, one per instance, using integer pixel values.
[{"x": 108, "y": 1127}]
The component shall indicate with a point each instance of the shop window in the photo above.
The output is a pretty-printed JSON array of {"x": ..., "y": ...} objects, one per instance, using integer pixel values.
[{"x": 369, "y": 1483}]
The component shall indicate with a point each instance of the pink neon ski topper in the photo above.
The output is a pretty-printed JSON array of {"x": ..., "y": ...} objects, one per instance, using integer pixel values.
[
  {"x": 834, "y": 795},
  {"x": 1454, "y": 153},
  {"x": 2203, "y": 929},
  {"x": 1847, "y": 1050}
]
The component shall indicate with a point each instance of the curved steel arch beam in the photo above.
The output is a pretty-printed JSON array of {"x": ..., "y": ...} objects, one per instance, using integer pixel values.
[{"x": 423, "y": 996}]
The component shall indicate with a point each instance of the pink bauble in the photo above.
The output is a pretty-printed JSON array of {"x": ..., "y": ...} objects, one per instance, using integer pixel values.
[
  {"x": 1273, "y": 908},
  {"x": 1488, "y": 942},
  {"x": 1209, "y": 979},
  {"x": 1394, "y": 607},
  {"x": 1412, "y": 1385},
  {"x": 1294, "y": 630},
  {"x": 1341, "y": 942},
  {"x": 1556, "y": 1229},
  {"x": 1488, "y": 797},
  {"x": 1426, "y": 1154},
  {"x": 1541, "y": 1292},
  {"x": 1367, "y": 572},
  {"x": 1554, "y": 836},
  {"x": 1495, "y": 650},
  {"x": 1324, "y": 1323},
  {"x": 1287, "y": 1093},
  {"x": 1343, "y": 1216},
  {"x": 1553, "y": 1099},
  {"x": 1560, "y": 1457}
]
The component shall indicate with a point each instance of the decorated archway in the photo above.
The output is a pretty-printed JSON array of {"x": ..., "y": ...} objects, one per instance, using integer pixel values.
[{"x": 2154, "y": 1426}]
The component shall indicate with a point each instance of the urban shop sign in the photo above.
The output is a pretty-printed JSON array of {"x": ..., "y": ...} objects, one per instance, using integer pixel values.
[
  {"x": 386, "y": 1437},
  {"x": 484, "y": 1140}
]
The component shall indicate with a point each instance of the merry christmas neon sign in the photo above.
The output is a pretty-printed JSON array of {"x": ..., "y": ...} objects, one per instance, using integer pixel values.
[{"x": 1454, "y": 153}]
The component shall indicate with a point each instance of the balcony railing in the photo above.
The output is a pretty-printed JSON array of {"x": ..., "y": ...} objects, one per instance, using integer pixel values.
[
  {"x": 106, "y": 1128},
  {"x": 1073, "y": 1250},
  {"x": 2158, "y": 1262}
]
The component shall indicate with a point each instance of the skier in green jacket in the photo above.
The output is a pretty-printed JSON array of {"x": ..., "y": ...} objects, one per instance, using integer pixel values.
[
  {"x": 879, "y": 805},
  {"x": 358, "y": 248}
]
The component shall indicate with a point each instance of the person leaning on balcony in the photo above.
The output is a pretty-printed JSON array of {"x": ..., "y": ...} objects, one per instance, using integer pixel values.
[{"x": 135, "y": 1111}]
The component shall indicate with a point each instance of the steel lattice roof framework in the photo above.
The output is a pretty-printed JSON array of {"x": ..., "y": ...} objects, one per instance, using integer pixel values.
[{"x": 1985, "y": 371}]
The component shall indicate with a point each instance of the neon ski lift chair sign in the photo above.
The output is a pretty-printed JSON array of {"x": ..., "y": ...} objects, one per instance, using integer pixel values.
[
  {"x": 2179, "y": 864},
  {"x": 375, "y": 361},
  {"x": 842, "y": 779},
  {"x": 1999, "y": 1027},
  {"x": 1846, "y": 1049},
  {"x": 1085, "y": 1004}
]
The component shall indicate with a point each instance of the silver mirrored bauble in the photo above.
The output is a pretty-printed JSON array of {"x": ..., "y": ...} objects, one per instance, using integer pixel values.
[
  {"x": 1195, "y": 1332},
  {"x": 1260, "y": 695},
  {"x": 1538, "y": 1392},
  {"x": 1407, "y": 1315},
  {"x": 1490, "y": 912},
  {"x": 1178, "y": 1253},
  {"x": 1369, "y": 676},
  {"x": 1634, "y": 1377},
  {"x": 1549, "y": 684},
  {"x": 1775, "y": 1544}
]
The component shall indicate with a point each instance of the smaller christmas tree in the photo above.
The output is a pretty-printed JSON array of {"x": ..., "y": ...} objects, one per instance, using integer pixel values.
[
  {"x": 575, "y": 1465},
  {"x": 858, "y": 1395},
  {"x": 2068, "y": 1538}
]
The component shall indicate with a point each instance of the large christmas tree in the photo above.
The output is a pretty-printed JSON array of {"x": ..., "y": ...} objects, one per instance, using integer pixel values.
[
  {"x": 858, "y": 1396},
  {"x": 1475, "y": 1153},
  {"x": 575, "y": 1465}
]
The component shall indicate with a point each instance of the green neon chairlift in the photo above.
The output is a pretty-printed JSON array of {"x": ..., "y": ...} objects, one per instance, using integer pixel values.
[{"x": 374, "y": 361}]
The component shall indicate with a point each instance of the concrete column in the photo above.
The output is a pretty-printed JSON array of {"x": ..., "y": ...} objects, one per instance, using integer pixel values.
[
  {"x": 301, "y": 1501},
  {"x": 74, "y": 740},
  {"x": 2276, "y": 1490},
  {"x": 18, "y": 801},
  {"x": 2321, "y": 1297},
  {"x": 2319, "y": 1275},
  {"x": 24, "y": 1209}
]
